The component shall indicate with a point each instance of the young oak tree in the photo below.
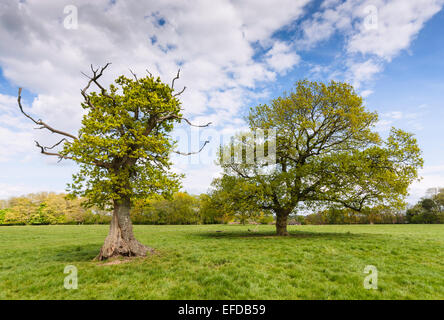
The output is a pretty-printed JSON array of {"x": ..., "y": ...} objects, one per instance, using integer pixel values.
[
  {"x": 326, "y": 153},
  {"x": 123, "y": 149}
]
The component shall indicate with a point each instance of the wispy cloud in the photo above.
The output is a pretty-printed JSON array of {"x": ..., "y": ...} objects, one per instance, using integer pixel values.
[{"x": 374, "y": 31}]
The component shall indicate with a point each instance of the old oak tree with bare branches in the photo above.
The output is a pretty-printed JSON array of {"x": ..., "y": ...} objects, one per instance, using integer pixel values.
[{"x": 123, "y": 149}]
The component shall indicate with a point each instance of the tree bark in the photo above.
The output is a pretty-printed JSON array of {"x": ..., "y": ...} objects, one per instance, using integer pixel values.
[
  {"x": 120, "y": 240},
  {"x": 281, "y": 224}
]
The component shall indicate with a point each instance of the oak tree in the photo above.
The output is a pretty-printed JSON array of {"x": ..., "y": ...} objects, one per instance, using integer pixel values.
[
  {"x": 123, "y": 148},
  {"x": 327, "y": 152}
]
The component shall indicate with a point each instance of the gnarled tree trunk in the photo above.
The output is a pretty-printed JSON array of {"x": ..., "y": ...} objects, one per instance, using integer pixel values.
[
  {"x": 281, "y": 224},
  {"x": 120, "y": 240}
]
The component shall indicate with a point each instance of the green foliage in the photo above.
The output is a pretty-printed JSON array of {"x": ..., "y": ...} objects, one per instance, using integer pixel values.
[
  {"x": 21, "y": 209},
  {"x": 124, "y": 144},
  {"x": 334, "y": 215},
  {"x": 439, "y": 199},
  {"x": 181, "y": 209},
  {"x": 39, "y": 216},
  {"x": 327, "y": 152},
  {"x": 211, "y": 211},
  {"x": 428, "y": 210},
  {"x": 264, "y": 218},
  {"x": 3, "y": 215},
  {"x": 233, "y": 197},
  {"x": 50, "y": 208}
]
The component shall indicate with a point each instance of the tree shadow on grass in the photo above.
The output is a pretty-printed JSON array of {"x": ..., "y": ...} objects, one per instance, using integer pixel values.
[
  {"x": 82, "y": 253},
  {"x": 244, "y": 234},
  {"x": 72, "y": 254}
]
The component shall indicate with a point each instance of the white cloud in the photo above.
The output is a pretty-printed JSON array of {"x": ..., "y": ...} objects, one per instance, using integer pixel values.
[
  {"x": 398, "y": 22},
  {"x": 14, "y": 138},
  {"x": 14, "y": 142},
  {"x": 336, "y": 16},
  {"x": 211, "y": 41},
  {"x": 198, "y": 179},
  {"x": 432, "y": 176},
  {"x": 13, "y": 190},
  {"x": 366, "y": 93},
  {"x": 359, "y": 72},
  {"x": 260, "y": 18},
  {"x": 394, "y": 115},
  {"x": 281, "y": 57},
  {"x": 369, "y": 43}
]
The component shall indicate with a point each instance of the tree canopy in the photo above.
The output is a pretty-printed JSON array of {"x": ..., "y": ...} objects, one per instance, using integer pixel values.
[
  {"x": 327, "y": 152},
  {"x": 124, "y": 143}
]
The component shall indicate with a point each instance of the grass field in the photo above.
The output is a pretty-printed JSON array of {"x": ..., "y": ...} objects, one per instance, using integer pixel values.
[{"x": 196, "y": 262}]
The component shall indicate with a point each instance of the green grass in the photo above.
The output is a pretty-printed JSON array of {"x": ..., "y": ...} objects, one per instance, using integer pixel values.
[{"x": 196, "y": 262}]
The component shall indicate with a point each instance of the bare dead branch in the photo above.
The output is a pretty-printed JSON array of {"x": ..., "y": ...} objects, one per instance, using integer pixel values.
[
  {"x": 190, "y": 153},
  {"x": 40, "y": 122},
  {"x": 134, "y": 75},
  {"x": 61, "y": 156},
  {"x": 96, "y": 74},
  {"x": 43, "y": 150},
  {"x": 55, "y": 145},
  {"x": 195, "y": 125},
  {"x": 175, "y": 78},
  {"x": 179, "y": 93},
  {"x": 151, "y": 75}
]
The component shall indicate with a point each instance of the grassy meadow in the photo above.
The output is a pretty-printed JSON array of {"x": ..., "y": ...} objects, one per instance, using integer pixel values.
[{"x": 227, "y": 262}]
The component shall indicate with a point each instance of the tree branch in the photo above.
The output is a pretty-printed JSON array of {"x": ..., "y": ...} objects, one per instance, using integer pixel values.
[
  {"x": 43, "y": 150},
  {"x": 190, "y": 153},
  {"x": 96, "y": 75},
  {"x": 134, "y": 75},
  {"x": 46, "y": 148},
  {"x": 174, "y": 79},
  {"x": 61, "y": 156},
  {"x": 40, "y": 122},
  {"x": 179, "y": 93}
]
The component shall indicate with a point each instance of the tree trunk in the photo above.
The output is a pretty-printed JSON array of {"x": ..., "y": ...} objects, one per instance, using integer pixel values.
[
  {"x": 281, "y": 224},
  {"x": 120, "y": 240}
]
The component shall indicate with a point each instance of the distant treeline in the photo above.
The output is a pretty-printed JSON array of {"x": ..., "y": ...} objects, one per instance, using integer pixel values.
[
  {"x": 429, "y": 209},
  {"x": 183, "y": 208},
  {"x": 52, "y": 208},
  {"x": 49, "y": 208}
]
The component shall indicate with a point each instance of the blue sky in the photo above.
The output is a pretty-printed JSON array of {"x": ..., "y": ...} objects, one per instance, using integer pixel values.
[{"x": 233, "y": 55}]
